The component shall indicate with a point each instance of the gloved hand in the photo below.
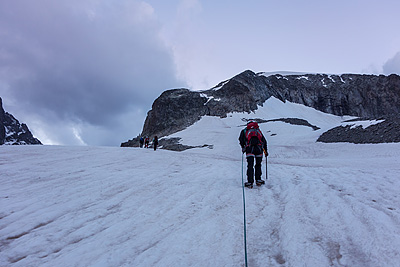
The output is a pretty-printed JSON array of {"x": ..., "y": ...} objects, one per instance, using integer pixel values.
[
  {"x": 243, "y": 149},
  {"x": 265, "y": 152}
]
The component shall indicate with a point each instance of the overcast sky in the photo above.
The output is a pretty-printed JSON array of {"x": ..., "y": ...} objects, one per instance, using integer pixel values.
[{"x": 87, "y": 71}]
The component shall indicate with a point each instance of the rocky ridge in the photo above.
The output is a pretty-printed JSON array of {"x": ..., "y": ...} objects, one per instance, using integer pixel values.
[
  {"x": 386, "y": 131},
  {"x": 367, "y": 96},
  {"x": 12, "y": 132}
]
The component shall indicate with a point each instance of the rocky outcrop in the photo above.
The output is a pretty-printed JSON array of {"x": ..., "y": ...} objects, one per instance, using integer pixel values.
[
  {"x": 386, "y": 131},
  {"x": 174, "y": 145},
  {"x": 292, "y": 121},
  {"x": 14, "y": 133},
  {"x": 348, "y": 94},
  {"x": 173, "y": 111},
  {"x": 2, "y": 119}
]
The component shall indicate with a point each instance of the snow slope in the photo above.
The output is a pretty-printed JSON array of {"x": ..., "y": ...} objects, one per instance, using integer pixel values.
[{"x": 323, "y": 204}]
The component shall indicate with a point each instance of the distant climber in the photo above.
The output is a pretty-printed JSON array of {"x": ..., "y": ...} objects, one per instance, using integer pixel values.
[
  {"x": 141, "y": 142},
  {"x": 155, "y": 142},
  {"x": 146, "y": 142},
  {"x": 253, "y": 143}
]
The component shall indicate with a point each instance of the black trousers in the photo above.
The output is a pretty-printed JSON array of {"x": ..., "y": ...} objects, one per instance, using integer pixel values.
[{"x": 250, "y": 169}]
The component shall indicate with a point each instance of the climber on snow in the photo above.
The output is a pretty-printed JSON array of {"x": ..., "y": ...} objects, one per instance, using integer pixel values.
[{"x": 253, "y": 143}]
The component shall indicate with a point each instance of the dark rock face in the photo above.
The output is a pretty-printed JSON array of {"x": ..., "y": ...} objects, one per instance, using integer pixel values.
[
  {"x": 14, "y": 133},
  {"x": 369, "y": 96},
  {"x": 173, "y": 111},
  {"x": 167, "y": 144},
  {"x": 174, "y": 145},
  {"x": 2, "y": 128},
  {"x": 387, "y": 131},
  {"x": 347, "y": 94}
]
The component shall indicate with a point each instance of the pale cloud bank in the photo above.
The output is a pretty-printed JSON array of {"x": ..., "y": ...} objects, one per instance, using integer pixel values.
[{"x": 84, "y": 71}]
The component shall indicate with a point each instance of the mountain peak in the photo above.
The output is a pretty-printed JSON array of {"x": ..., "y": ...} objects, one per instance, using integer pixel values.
[
  {"x": 366, "y": 96},
  {"x": 12, "y": 132}
]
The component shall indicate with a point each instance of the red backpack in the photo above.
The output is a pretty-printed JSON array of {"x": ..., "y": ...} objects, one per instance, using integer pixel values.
[{"x": 253, "y": 134}]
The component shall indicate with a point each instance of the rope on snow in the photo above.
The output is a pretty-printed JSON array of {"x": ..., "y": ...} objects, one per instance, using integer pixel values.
[{"x": 244, "y": 218}]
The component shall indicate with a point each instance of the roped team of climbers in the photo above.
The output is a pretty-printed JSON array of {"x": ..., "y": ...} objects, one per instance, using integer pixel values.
[
  {"x": 145, "y": 141},
  {"x": 253, "y": 143}
]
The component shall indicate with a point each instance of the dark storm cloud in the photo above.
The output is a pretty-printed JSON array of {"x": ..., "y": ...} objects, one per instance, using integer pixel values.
[
  {"x": 392, "y": 65},
  {"x": 92, "y": 63}
]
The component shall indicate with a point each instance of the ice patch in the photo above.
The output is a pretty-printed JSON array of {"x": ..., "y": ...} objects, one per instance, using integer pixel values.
[
  {"x": 220, "y": 86},
  {"x": 323, "y": 83},
  {"x": 302, "y": 77},
  {"x": 209, "y": 98},
  {"x": 364, "y": 124}
]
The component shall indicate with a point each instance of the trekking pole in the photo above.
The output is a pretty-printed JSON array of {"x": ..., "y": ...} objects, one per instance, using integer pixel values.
[
  {"x": 266, "y": 168},
  {"x": 266, "y": 165}
]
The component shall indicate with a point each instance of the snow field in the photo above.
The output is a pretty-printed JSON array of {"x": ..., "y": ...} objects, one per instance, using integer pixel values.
[
  {"x": 322, "y": 205},
  {"x": 82, "y": 206}
]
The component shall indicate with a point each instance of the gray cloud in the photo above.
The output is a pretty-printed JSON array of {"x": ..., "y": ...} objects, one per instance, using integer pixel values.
[
  {"x": 93, "y": 66},
  {"x": 392, "y": 65}
]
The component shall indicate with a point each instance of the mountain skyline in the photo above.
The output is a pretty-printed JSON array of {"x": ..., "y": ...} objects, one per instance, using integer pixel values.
[
  {"x": 364, "y": 96},
  {"x": 80, "y": 72}
]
